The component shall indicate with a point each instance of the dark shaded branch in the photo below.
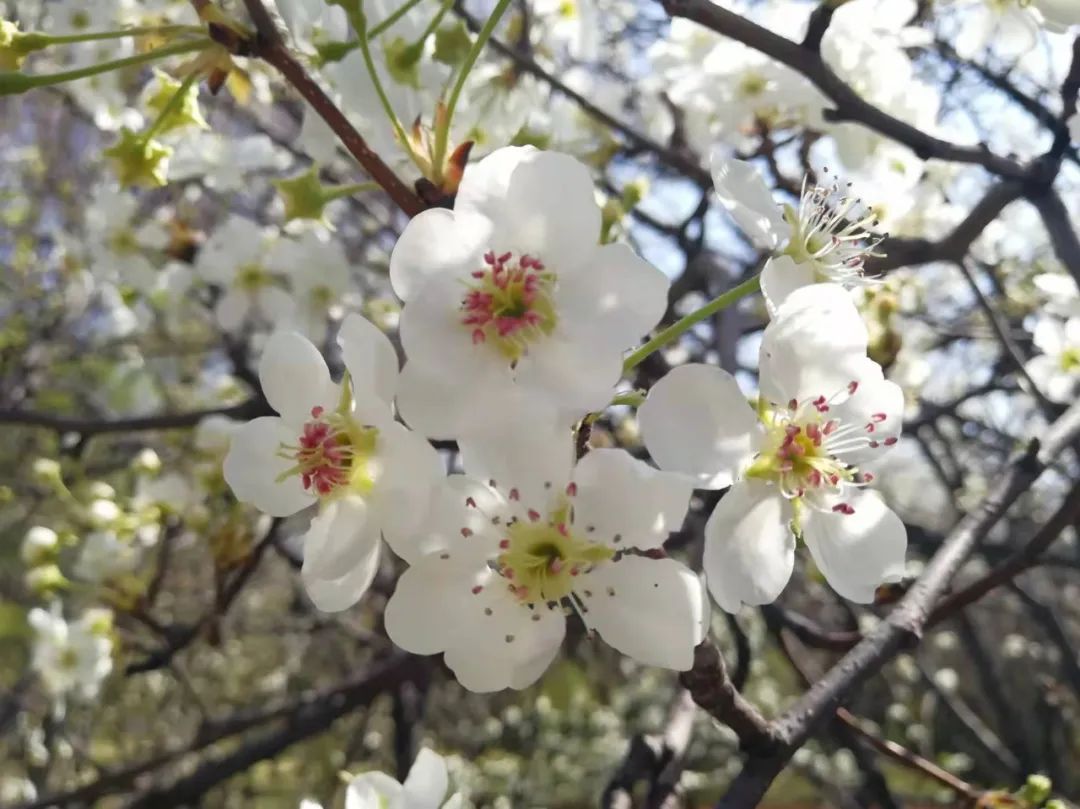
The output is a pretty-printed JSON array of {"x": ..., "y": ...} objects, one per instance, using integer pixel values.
[
  {"x": 849, "y": 106},
  {"x": 250, "y": 409}
]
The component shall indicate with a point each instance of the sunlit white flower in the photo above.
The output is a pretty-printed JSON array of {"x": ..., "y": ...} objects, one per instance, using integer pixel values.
[
  {"x": 1074, "y": 128},
  {"x": 511, "y": 296},
  {"x": 1056, "y": 371},
  {"x": 425, "y": 787},
  {"x": 793, "y": 462},
  {"x": 335, "y": 445},
  {"x": 234, "y": 257},
  {"x": 72, "y": 658},
  {"x": 824, "y": 239},
  {"x": 525, "y": 539},
  {"x": 318, "y": 273},
  {"x": 1009, "y": 27}
]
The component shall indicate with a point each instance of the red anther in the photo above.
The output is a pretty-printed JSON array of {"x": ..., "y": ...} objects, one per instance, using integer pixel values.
[
  {"x": 489, "y": 257},
  {"x": 317, "y": 411},
  {"x": 571, "y": 489},
  {"x": 890, "y": 441},
  {"x": 869, "y": 427},
  {"x": 515, "y": 494},
  {"x": 561, "y": 528},
  {"x": 505, "y": 257},
  {"x": 877, "y": 417},
  {"x": 852, "y": 387},
  {"x": 534, "y": 515},
  {"x": 834, "y": 479},
  {"x": 830, "y": 427},
  {"x": 843, "y": 508},
  {"x": 470, "y": 502},
  {"x": 874, "y": 445},
  {"x": 793, "y": 405},
  {"x": 477, "y": 589},
  {"x": 478, "y": 336},
  {"x": 478, "y": 274},
  {"x": 504, "y": 543},
  {"x": 868, "y": 476},
  {"x": 466, "y": 532},
  {"x": 556, "y": 565}
]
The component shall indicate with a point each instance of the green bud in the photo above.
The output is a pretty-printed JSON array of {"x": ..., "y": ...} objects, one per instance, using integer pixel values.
[
  {"x": 1036, "y": 790},
  {"x": 139, "y": 161},
  {"x": 46, "y": 471},
  {"x": 147, "y": 461},
  {"x": 452, "y": 43},
  {"x": 403, "y": 61},
  {"x": 304, "y": 195},
  {"x": 185, "y": 114},
  {"x": 634, "y": 192},
  {"x": 12, "y": 83},
  {"x": 39, "y": 546},
  {"x": 335, "y": 51},
  {"x": 15, "y": 46},
  {"x": 45, "y": 580}
]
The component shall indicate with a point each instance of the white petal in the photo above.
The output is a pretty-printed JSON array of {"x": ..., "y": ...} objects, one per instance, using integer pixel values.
[
  {"x": 295, "y": 378},
  {"x": 615, "y": 299},
  {"x": 442, "y": 407},
  {"x": 545, "y": 206},
  {"x": 375, "y": 790},
  {"x": 433, "y": 335},
  {"x": 857, "y": 552},
  {"x": 696, "y": 421},
  {"x": 448, "y": 514},
  {"x": 877, "y": 408},
  {"x": 334, "y": 595},
  {"x": 742, "y": 191},
  {"x": 339, "y": 536},
  {"x": 648, "y": 609},
  {"x": 534, "y": 458},
  {"x": 432, "y": 602},
  {"x": 811, "y": 345},
  {"x": 232, "y": 310},
  {"x": 780, "y": 277},
  {"x": 275, "y": 304},
  {"x": 428, "y": 781},
  {"x": 1049, "y": 336},
  {"x": 749, "y": 549},
  {"x": 409, "y": 470},
  {"x": 620, "y": 496},
  {"x": 565, "y": 375},
  {"x": 437, "y": 242},
  {"x": 252, "y": 467},
  {"x": 369, "y": 357}
]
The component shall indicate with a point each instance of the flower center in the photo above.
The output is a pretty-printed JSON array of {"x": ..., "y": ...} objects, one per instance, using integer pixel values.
[
  {"x": 332, "y": 454},
  {"x": 542, "y": 558},
  {"x": 509, "y": 304},
  {"x": 804, "y": 447},
  {"x": 1070, "y": 359},
  {"x": 830, "y": 231},
  {"x": 251, "y": 277}
]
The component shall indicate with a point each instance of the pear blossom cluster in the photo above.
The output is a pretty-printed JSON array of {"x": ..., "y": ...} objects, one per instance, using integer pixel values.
[{"x": 515, "y": 323}]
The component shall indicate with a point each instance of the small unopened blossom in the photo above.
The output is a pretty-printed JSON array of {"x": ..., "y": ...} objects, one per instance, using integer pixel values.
[
  {"x": 335, "y": 445},
  {"x": 826, "y": 238},
  {"x": 524, "y": 540},
  {"x": 1056, "y": 371},
  {"x": 510, "y": 296},
  {"x": 39, "y": 546},
  {"x": 72, "y": 658},
  {"x": 795, "y": 463}
]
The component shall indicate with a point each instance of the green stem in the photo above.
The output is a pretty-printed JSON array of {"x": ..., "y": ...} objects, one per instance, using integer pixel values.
[
  {"x": 438, "y": 18},
  {"x": 94, "y": 36},
  {"x": 14, "y": 82},
  {"x": 393, "y": 18},
  {"x": 681, "y": 326},
  {"x": 359, "y": 22},
  {"x": 442, "y": 136},
  {"x": 174, "y": 104},
  {"x": 340, "y": 191}
]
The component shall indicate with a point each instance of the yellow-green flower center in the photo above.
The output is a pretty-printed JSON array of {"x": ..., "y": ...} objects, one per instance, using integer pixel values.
[
  {"x": 542, "y": 558},
  {"x": 333, "y": 455}
]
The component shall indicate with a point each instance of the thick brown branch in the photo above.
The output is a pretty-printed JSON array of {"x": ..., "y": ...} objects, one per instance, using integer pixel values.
[{"x": 166, "y": 421}]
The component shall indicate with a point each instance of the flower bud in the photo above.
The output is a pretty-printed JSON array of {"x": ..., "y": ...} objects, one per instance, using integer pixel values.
[
  {"x": 45, "y": 580},
  {"x": 39, "y": 546},
  {"x": 46, "y": 471}
]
